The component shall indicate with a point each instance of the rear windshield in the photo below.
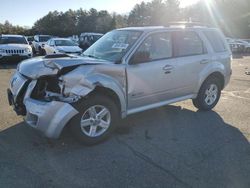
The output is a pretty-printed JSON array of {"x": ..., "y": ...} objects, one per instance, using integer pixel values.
[
  {"x": 13, "y": 40},
  {"x": 44, "y": 38},
  {"x": 216, "y": 41}
]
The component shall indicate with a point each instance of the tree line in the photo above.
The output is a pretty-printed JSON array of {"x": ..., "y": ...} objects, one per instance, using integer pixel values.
[{"x": 232, "y": 16}]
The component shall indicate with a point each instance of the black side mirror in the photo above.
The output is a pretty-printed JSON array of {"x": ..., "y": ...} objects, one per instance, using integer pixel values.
[
  {"x": 140, "y": 57},
  {"x": 30, "y": 42}
]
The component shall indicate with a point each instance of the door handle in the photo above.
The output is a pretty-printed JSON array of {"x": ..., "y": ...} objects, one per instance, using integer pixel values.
[
  {"x": 204, "y": 61},
  {"x": 168, "y": 69}
]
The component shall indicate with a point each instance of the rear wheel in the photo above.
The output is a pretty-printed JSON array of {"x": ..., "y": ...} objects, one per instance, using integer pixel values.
[
  {"x": 96, "y": 120},
  {"x": 208, "y": 95}
]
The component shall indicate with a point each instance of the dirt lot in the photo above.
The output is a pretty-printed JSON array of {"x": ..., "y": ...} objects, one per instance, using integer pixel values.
[{"x": 173, "y": 146}]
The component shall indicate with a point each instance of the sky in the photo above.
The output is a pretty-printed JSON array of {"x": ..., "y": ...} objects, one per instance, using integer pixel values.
[{"x": 26, "y": 12}]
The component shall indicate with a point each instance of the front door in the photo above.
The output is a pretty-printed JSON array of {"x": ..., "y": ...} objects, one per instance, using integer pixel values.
[{"x": 151, "y": 71}]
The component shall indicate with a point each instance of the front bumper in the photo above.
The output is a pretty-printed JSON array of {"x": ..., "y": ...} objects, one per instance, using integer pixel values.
[{"x": 48, "y": 117}]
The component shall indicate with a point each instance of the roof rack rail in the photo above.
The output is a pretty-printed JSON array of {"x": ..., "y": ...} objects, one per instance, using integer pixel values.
[{"x": 187, "y": 24}]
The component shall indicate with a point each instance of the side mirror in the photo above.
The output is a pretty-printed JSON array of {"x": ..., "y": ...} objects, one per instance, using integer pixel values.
[
  {"x": 140, "y": 57},
  {"x": 30, "y": 42},
  {"x": 43, "y": 45}
]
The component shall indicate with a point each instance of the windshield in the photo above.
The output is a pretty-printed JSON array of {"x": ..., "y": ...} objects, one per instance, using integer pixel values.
[
  {"x": 44, "y": 38},
  {"x": 65, "y": 43},
  {"x": 13, "y": 40},
  {"x": 30, "y": 39},
  {"x": 113, "y": 45}
]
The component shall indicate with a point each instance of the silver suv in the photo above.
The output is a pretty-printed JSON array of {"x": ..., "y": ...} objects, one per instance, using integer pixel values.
[{"x": 127, "y": 71}]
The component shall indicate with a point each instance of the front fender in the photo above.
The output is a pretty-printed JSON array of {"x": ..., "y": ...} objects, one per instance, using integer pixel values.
[
  {"x": 110, "y": 83},
  {"x": 83, "y": 81}
]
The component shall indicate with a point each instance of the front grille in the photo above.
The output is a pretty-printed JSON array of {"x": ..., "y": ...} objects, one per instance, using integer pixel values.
[{"x": 14, "y": 51}]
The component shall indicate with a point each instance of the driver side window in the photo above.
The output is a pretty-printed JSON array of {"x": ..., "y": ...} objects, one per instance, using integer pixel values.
[{"x": 157, "y": 46}]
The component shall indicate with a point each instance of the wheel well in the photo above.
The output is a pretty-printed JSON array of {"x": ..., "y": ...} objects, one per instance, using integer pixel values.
[
  {"x": 109, "y": 93},
  {"x": 219, "y": 77}
]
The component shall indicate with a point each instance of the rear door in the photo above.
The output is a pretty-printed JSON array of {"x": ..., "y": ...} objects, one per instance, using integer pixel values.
[{"x": 191, "y": 57}]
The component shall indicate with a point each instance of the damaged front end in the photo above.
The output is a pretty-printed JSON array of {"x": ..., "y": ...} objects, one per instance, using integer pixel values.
[
  {"x": 45, "y": 91},
  {"x": 43, "y": 103}
]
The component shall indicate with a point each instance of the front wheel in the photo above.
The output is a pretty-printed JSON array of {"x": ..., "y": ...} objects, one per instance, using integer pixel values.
[
  {"x": 96, "y": 120},
  {"x": 208, "y": 95}
]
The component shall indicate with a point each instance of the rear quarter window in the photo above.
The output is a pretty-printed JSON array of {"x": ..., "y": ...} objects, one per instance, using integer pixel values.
[{"x": 216, "y": 41}]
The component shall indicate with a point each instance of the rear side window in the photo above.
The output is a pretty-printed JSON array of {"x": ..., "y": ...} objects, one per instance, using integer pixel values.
[
  {"x": 215, "y": 40},
  {"x": 188, "y": 43}
]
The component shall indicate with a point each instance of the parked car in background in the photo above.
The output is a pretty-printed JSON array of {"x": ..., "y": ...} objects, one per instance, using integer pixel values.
[
  {"x": 30, "y": 39},
  {"x": 245, "y": 43},
  {"x": 62, "y": 45},
  {"x": 14, "y": 47},
  {"x": 87, "y": 39},
  {"x": 127, "y": 71},
  {"x": 236, "y": 45},
  {"x": 75, "y": 38},
  {"x": 39, "y": 42}
]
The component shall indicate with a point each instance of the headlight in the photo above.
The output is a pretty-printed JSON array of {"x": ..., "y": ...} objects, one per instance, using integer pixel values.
[{"x": 27, "y": 50}]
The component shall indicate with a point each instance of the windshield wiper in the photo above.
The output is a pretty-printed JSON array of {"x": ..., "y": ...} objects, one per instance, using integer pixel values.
[{"x": 91, "y": 56}]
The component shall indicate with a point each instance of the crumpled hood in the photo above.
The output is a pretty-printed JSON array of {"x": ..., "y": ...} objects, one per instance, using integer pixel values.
[
  {"x": 40, "y": 66},
  {"x": 70, "y": 49},
  {"x": 14, "y": 46}
]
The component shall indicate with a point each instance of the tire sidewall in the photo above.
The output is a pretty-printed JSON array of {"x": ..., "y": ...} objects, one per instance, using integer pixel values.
[
  {"x": 202, "y": 95},
  {"x": 82, "y": 105}
]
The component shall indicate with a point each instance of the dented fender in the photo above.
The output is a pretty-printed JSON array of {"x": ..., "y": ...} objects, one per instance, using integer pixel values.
[{"x": 84, "y": 79}]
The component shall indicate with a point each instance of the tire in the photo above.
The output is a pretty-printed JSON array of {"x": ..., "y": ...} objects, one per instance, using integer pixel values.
[
  {"x": 86, "y": 134},
  {"x": 41, "y": 51},
  {"x": 34, "y": 51},
  {"x": 209, "y": 94}
]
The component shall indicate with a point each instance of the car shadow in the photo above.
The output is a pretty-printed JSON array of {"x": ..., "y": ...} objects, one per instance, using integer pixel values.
[{"x": 169, "y": 145}]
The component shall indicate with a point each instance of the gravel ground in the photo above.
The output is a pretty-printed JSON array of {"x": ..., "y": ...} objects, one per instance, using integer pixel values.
[{"x": 172, "y": 146}]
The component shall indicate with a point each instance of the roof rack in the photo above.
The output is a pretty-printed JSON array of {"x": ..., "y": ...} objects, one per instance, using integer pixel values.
[{"x": 187, "y": 24}]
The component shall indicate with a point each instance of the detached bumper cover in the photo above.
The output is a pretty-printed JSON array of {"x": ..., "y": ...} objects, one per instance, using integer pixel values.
[{"x": 48, "y": 117}]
